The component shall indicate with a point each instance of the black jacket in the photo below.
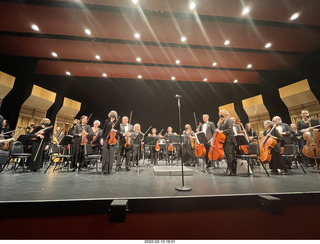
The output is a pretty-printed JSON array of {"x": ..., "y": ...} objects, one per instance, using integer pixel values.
[{"x": 227, "y": 128}]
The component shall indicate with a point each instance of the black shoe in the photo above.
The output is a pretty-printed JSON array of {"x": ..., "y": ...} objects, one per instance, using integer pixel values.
[
  {"x": 285, "y": 172},
  {"x": 104, "y": 173},
  {"x": 73, "y": 169},
  {"x": 127, "y": 169},
  {"x": 228, "y": 172}
]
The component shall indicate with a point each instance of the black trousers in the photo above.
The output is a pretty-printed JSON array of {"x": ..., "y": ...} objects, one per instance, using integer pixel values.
[
  {"x": 206, "y": 157},
  {"x": 107, "y": 157},
  {"x": 136, "y": 153},
  {"x": 153, "y": 155},
  {"x": 229, "y": 151},
  {"x": 127, "y": 152},
  {"x": 277, "y": 161}
]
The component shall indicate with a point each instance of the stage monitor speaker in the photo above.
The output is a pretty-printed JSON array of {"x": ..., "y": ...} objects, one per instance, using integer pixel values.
[
  {"x": 271, "y": 204},
  {"x": 118, "y": 210}
]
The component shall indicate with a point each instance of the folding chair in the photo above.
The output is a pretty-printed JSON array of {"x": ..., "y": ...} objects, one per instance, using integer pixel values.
[
  {"x": 55, "y": 153},
  {"x": 90, "y": 157},
  {"x": 253, "y": 154},
  {"x": 16, "y": 151},
  {"x": 291, "y": 151}
]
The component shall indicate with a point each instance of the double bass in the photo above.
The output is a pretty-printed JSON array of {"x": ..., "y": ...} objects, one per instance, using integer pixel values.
[
  {"x": 267, "y": 143},
  {"x": 312, "y": 138}
]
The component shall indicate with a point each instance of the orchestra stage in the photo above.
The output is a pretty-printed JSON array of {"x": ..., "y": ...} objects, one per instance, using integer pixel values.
[{"x": 142, "y": 183}]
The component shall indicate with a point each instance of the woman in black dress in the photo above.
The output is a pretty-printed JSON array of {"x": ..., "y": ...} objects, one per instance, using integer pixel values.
[
  {"x": 276, "y": 159},
  {"x": 188, "y": 155},
  {"x": 41, "y": 139}
]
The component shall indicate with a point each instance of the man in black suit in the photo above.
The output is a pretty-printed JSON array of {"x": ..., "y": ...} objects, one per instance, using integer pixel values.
[
  {"x": 125, "y": 131},
  {"x": 225, "y": 126},
  {"x": 208, "y": 128}
]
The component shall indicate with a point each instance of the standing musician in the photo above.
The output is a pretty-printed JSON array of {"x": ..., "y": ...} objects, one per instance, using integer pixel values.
[
  {"x": 136, "y": 148},
  {"x": 111, "y": 125},
  {"x": 153, "y": 152},
  {"x": 125, "y": 133},
  {"x": 170, "y": 131},
  {"x": 225, "y": 126},
  {"x": 235, "y": 126},
  {"x": 304, "y": 126},
  {"x": 188, "y": 146},
  {"x": 276, "y": 159},
  {"x": 251, "y": 132},
  {"x": 94, "y": 137},
  {"x": 81, "y": 130},
  {"x": 208, "y": 128},
  {"x": 41, "y": 138},
  {"x": 73, "y": 127}
]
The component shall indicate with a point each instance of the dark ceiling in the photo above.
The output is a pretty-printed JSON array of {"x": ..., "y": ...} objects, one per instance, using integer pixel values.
[{"x": 161, "y": 24}]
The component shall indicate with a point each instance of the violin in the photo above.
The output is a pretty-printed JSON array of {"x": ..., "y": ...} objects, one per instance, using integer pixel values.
[
  {"x": 266, "y": 145},
  {"x": 312, "y": 138},
  {"x": 170, "y": 147},
  {"x": 112, "y": 135},
  {"x": 84, "y": 139},
  {"x": 7, "y": 142},
  {"x": 157, "y": 147},
  {"x": 42, "y": 131},
  {"x": 127, "y": 145},
  {"x": 216, "y": 151}
]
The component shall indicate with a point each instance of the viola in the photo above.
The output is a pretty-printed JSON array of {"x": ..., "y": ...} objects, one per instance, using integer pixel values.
[
  {"x": 170, "y": 147},
  {"x": 157, "y": 147},
  {"x": 266, "y": 145},
  {"x": 112, "y": 135},
  {"x": 312, "y": 147},
  {"x": 216, "y": 151}
]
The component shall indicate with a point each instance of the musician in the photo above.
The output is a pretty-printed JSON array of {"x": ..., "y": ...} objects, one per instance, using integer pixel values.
[
  {"x": 188, "y": 155},
  {"x": 1, "y": 121},
  {"x": 283, "y": 128},
  {"x": 94, "y": 137},
  {"x": 41, "y": 139},
  {"x": 30, "y": 128},
  {"x": 276, "y": 160},
  {"x": 304, "y": 126},
  {"x": 110, "y": 125},
  {"x": 170, "y": 131},
  {"x": 235, "y": 126},
  {"x": 208, "y": 128},
  {"x": 136, "y": 145},
  {"x": 225, "y": 126},
  {"x": 125, "y": 133},
  {"x": 296, "y": 135},
  {"x": 81, "y": 130},
  {"x": 250, "y": 132},
  {"x": 73, "y": 127},
  {"x": 153, "y": 152},
  {"x": 5, "y": 129}
]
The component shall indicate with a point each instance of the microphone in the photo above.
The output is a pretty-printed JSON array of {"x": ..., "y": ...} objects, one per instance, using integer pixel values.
[{"x": 178, "y": 96}]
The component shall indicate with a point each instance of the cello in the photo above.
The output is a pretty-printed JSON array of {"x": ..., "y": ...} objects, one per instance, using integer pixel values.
[
  {"x": 216, "y": 151},
  {"x": 267, "y": 143},
  {"x": 199, "y": 148},
  {"x": 312, "y": 138}
]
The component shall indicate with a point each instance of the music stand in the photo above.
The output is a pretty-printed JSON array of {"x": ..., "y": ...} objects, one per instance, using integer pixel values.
[
  {"x": 150, "y": 141},
  {"x": 173, "y": 139},
  {"x": 202, "y": 139},
  {"x": 137, "y": 141},
  {"x": 241, "y": 140}
]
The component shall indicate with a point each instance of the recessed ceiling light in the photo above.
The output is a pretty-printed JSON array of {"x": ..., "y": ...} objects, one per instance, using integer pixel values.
[
  {"x": 235, "y": 81},
  {"x": 135, "y": 1},
  {"x": 87, "y": 31},
  {"x": 192, "y": 5},
  {"x": 138, "y": 59},
  {"x": 137, "y": 35},
  {"x": 177, "y": 61},
  {"x": 139, "y": 76},
  {"x": 98, "y": 57},
  {"x": 54, "y": 54},
  {"x": 227, "y": 42},
  {"x": 104, "y": 75},
  {"x": 268, "y": 45},
  {"x": 173, "y": 78},
  {"x": 205, "y": 79},
  {"x": 214, "y": 64},
  {"x": 245, "y": 11},
  {"x": 183, "y": 39},
  {"x": 249, "y": 66},
  {"x": 294, "y": 16},
  {"x": 35, "y": 27},
  {"x": 68, "y": 73}
]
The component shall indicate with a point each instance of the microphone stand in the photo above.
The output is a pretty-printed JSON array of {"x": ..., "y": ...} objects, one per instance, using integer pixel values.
[{"x": 182, "y": 187}]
